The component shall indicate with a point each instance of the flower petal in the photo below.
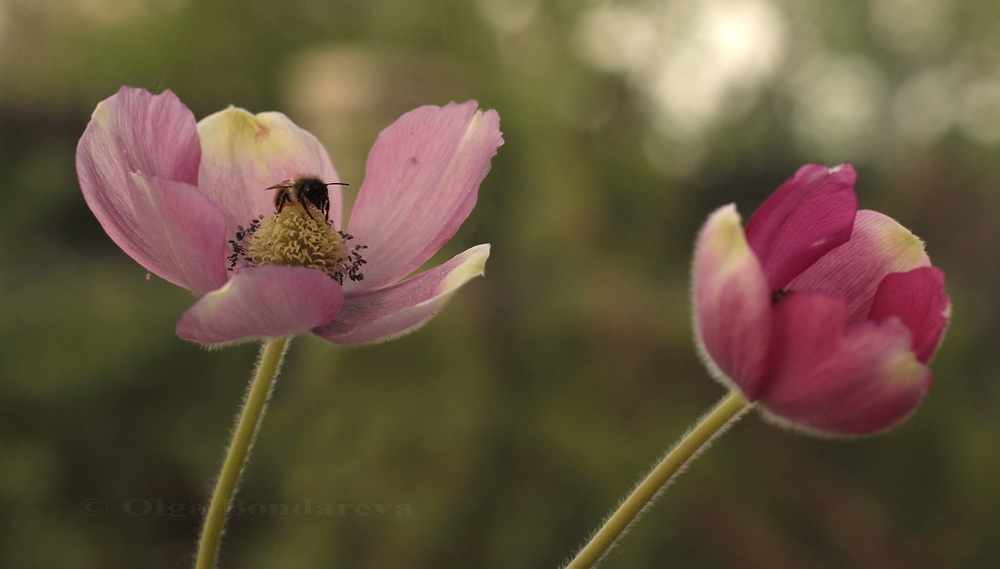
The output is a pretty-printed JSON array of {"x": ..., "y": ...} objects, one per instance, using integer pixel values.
[
  {"x": 265, "y": 301},
  {"x": 396, "y": 310},
  {"x": 732, "y": 305},
  {"x": 136, "y": 131},
  {"x": 421, "y": 182},
  {"x": 918, "y": 299},
  {"x": 136, "y": 162},
  {"x": 878, "y": 247},
  {"x": 180, "y": 232},
  {"x": 806, "y": 217},
  {"x": 833, "y": 379},
  {"x": 244, "y": 154}
]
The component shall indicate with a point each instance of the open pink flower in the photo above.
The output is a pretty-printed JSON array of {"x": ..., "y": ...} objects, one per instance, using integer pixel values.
[
  {"x": 173, "y": 193},
  {"x": 824, "y": 315}
]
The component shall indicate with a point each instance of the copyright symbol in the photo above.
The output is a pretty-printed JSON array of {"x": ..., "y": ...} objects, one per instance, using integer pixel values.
[{"x": 93, "y": 507}]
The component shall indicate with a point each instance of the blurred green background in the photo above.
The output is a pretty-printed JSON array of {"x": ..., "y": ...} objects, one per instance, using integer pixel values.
[{"x": 499, "y": 435}]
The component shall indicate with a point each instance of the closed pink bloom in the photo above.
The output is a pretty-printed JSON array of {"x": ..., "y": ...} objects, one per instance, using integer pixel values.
[
  {"x": 187, "y": 200},
  {"x": 823, "y": 315}
]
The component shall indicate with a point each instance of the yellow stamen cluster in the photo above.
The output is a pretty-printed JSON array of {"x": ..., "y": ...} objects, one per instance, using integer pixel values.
[{"x": 293, "y": 237}]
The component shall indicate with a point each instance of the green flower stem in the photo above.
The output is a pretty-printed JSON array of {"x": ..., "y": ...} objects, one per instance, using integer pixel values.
[
  {"x": 272, "y": 352},
  {"x": 714, "y": 423}
]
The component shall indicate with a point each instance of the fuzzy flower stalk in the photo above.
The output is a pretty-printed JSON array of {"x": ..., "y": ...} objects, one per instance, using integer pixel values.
[
  {"x": 245, "y": 211},
  {"x": 821, "y": 316}
]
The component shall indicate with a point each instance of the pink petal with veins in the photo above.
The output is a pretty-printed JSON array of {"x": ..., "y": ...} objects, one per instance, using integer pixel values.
[
  {"x": 389, "y": 312},
  {"x": 136, "y": 162},
  {"x": 421, "y": 182},
  {"x": 265, "y": 301},
  {"x": 878, "y": 247}
]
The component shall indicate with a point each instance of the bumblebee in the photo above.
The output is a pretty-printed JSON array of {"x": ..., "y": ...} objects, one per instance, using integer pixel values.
[{"x": 306, "y": 191}]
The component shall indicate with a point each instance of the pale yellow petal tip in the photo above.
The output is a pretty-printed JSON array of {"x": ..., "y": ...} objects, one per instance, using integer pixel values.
[
  {"x": 893, "y": 240},
  {"x": 726, "y": 214},
  {"x": 214, "y": 299},
  {"x": 903, "y": 369},
  {"x": 474, "y": 265},
  {"x": 901, "y": 239},
  {"x": 234, "y": 118},
  {"x": 724, "y": 236},
  {"x": 240, "y": 132},
  {"x": 100, "y": 115}
]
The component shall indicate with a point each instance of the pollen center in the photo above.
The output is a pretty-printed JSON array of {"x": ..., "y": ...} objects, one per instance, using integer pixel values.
[{"x": 293, "y": 237}]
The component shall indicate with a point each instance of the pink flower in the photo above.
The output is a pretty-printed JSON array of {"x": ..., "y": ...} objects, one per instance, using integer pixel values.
[
  {"x": 173, "y": 194},
  {"x": 824, "y": 315}
]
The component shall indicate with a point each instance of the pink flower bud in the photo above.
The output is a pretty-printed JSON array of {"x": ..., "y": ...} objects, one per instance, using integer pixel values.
[{"x": 823, "y": 315}]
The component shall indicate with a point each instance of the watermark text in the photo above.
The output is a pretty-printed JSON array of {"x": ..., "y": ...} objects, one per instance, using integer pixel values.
[{"x": 180, "y": 511}]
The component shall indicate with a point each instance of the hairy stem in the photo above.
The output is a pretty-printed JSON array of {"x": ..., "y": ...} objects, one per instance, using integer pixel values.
[
  {"x": 714, "y": 423},
  {"x": 248, "y": 422}
]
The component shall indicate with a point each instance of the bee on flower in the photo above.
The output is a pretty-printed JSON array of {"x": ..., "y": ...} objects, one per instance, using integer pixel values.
[{"x": 184, "y": 199}]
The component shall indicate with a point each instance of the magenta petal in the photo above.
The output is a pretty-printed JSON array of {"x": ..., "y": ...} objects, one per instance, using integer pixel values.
[
  {"x": 421, "y": 182},
  {"x": 393, "y": 311},
  {"x": 918, "y": 299},
  {"x": 264, "y": 301},
  {"x": 879, "y": 246},
  {"x": 836, "y": 380},
  {"x": 805, "y": 218},
  {"x": 731, "y": 303}
]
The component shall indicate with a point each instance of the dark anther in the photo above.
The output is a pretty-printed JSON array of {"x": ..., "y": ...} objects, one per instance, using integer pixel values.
[
  {"x": 239, "y": 245},
  {"x": 779, "y": 295}
]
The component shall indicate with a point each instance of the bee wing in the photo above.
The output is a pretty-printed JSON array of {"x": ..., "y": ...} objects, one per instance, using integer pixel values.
[{"x": 281, "y": 185}]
